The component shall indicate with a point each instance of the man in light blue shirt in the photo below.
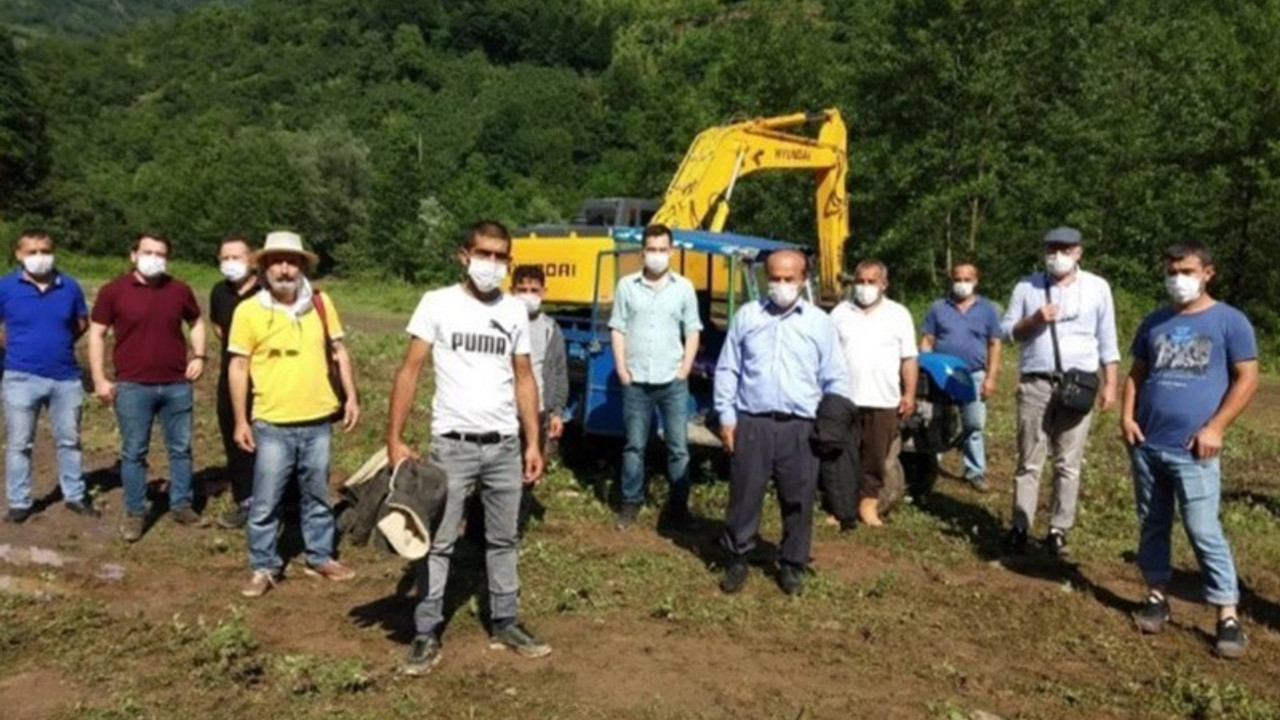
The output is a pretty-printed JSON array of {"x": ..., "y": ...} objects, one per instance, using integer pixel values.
[
  {"x": 1076, "y": 306},
  {"x": 655, "y": 328},
  {"x": 781, "y": 356}
]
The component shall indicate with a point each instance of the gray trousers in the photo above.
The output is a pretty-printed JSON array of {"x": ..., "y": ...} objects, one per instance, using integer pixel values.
[
  {"x": 777, "y": 450},
  {"x": 1043, "y": 427},
  {"x": 496, "y": 470}
]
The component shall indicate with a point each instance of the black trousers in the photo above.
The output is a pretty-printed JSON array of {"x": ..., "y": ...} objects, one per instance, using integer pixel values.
[
  {"x": 779, "y": 451},
  {"x": 239, "y": 462}
]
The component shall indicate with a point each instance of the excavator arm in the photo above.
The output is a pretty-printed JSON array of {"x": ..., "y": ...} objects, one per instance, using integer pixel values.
[{"x": 700, "y": 192}]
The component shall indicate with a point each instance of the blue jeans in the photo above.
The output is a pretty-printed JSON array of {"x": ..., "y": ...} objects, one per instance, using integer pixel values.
[
  {"x": 496, "y": 471},
  {"x": 137, "y": 407},
  {"x": 638, "y": 402},
  {"x": 973, "y": 422},
  {"x": 24, "y": 394},
  {"x": 284, "y": 451},
  {"x": 1161, "y": 478}
]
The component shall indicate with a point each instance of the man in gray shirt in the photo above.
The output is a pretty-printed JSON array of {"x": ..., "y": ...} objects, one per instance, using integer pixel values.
[{"x": 1076, "y": 305}]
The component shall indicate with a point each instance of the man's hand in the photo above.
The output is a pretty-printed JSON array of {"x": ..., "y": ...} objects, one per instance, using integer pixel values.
[
  {"x": 350, "y": 415},
  {"x": 1131, "y": 433},
  {"x": 1107, "y": 398},
  {"x": 244, "y": 437},
  {"x": 906, "y": 407},
  {"x": 1206, "y": 444},
  {"x": 682, "y": 373},
  {"x": 1047, "y": 313},
  {"x": 104, "y": 390},
  {"x": 195, "y": 368},
  {"x": 624, "y": 376},
  {"x": 555, "y": 426},
  {"x": 988, "y": 387},
  {"x": 532, "y": 464},
  {"x": 398, "y": 451},
  {"x": 726, "y": 437}
]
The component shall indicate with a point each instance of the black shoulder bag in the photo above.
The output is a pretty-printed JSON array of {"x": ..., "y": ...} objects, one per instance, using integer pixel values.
[{"x": 1074, "y": 390}]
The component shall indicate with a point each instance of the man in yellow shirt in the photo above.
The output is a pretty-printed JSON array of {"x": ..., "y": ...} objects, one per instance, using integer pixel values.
[{"x": 284, "y": 339}]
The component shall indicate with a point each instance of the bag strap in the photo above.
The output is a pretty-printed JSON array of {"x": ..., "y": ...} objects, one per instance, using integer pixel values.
[
  {"x": 318, "y": 304},
  {"x": 1053, "y": 329}
]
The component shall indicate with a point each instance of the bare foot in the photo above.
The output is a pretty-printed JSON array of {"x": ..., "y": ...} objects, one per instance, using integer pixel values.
[{"x": 869, "y": 513}]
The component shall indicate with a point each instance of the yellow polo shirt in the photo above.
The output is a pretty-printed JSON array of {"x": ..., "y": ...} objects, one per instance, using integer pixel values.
[{"x": 286, "y": 359}]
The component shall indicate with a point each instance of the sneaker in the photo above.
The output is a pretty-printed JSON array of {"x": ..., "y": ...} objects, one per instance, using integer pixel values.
[
  {"x": 1230, "y": 642},
  {"x": 261, "y": 583},
  {"x": 332, "y": 570},
  {"x": 791, "y": 578},
  {"x": 17, "y": 516},
  {"x": 186, "y": 516},
  {"x": 83, "y": 508},
  {"x": 515, "y": 637},
  {"x": 132, "y": 526},
  {"x": 1153, "y": 614},
  {"x": 626, "y": 516},
  {"x": 735, "y": 576},
  {"x": 1056, "y": 540},
  {"x": 424, "y": 655},
  {"x": 1016, "y": 540},
  {"x": 978, "y": 483},
  {"x": 233, "y": 519}
]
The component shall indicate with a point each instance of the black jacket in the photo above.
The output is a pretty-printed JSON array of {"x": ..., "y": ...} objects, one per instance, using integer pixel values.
[{"x": 835, "y": 442}]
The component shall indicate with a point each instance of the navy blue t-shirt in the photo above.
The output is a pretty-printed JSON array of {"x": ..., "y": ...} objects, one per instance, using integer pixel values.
[
  {"x": 963, "y": 334},
  {"x": 40, "y": 327},
  {"x": 1189, "y": 359}
]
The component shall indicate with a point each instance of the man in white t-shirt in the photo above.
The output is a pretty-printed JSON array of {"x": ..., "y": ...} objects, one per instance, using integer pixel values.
[
  {"x": 879, "y": 341},
  {"x": 485, "y": 394}
]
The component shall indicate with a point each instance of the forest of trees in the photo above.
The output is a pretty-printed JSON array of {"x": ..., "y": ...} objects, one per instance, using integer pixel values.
[{"x": 378, "y": 127}]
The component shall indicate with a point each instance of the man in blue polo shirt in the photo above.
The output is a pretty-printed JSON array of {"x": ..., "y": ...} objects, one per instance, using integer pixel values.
[
  {"x": 967, "y": 325},
  {"x": 44, "y": 313}
]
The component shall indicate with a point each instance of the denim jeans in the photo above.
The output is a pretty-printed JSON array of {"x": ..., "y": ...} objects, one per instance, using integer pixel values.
[
  {"x": 973, "y": 422},
  {"x": 283, "y": 452},
  {"x": 1161, "y": 478},
  {"x": 24, "y": 395},
  {"x": 638, "y": 402},
  {"x": 496, "y": 471},
  {"x": 137, "y": 407}
]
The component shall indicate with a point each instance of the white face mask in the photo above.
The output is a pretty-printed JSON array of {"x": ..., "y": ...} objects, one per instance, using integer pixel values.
[
  {"x": 1059, "y": 264},
  {"x": 486, "y": 275},
  {"x": 865, "y": 295},
  {"x": 151, "y": 266},
  {"x": 38, "y": 265},
  {"x": 532, "y": 302},
  {"x": 962, "y": 290},
  {"x": 657, "y": 262},
  {"x": 784, "y": 294},
  {"x": 1183, "y": 289},
  {"x": 234, "y": 270}
]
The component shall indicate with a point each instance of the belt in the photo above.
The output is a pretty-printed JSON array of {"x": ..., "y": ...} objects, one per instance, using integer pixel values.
[
  {"x": 489, "y": 438},
  {"x": 777, "y": 416},
  {"x": 1028, "y": 377}
]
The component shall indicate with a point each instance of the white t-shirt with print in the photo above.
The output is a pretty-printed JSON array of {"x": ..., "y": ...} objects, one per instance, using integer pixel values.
[
  {"x": 875, "y": 344},
  {"x": 472, "y": 344}
]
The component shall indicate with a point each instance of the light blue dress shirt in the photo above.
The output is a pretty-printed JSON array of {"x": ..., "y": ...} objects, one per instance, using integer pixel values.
[
  {"x": 780, "y": 362},
  {"x": 1086, "y": 323},
  {"x": 656, "y": 320}
]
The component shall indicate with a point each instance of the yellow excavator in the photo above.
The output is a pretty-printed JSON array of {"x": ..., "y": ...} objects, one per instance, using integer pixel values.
[{"x": 698, "y": 198}]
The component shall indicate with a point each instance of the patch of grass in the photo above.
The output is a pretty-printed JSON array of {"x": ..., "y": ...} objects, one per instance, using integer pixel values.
[{"x": 1192, "y": 697}]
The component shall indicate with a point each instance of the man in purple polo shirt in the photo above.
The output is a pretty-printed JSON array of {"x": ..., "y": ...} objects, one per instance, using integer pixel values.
[
  {"x": 145, "y": 310},
  {"x": 44, "y": 313}
]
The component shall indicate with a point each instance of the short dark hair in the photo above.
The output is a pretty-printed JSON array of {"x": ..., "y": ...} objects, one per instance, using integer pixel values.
[
  {"x": 528, "y": 272},
  {"x": 655, "y": 230},
  {"x": 233, "y": 238},
  {"x": 1189, "y": 248},
  {"x": 34, "y": 234},
  {"x": 489, "y": 229},
  {"x": 967, "y": 263},
  {"x": 137, "y": 240}
]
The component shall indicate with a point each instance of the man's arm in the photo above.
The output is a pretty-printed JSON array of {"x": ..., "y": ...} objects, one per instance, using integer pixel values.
[
  {"x": 238, "y": 384},
  {"x": 527, "y": 406},
  {"x": 1130, "y": 431},
  {"x": 727, "y": 374},
  {"x": 351, "y": 411},
  {"x": 555, "y": 383},
  {"x": 1110, "y": 378},
  {"x": 104, "y": 389},
  {"x": 404, "y": 388},
  {"x": 690, "y": 352},
  {"x": 692, "y": 325},
  {"x": 619, "y": 343},
  {"x": 199, "y": 358},
  {"x": 994, "y": 350},
  {"x": 926, "y": 343},
  {"x": 909, "y": 369},
  {"x": 1244, "y": 384},
  {"x": 1108, "y": 349}
]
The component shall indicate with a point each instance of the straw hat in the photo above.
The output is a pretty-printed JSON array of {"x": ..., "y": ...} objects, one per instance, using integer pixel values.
[{"x": 283, "y": 242}]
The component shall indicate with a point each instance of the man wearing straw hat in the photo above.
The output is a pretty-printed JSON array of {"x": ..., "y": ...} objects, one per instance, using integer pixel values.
[{"x": 288, "y": 340}]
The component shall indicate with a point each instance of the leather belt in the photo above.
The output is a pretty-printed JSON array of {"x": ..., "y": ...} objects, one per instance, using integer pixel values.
[
  {"x": 777, "y": 416},
  {"x": 489, "y": 438}
]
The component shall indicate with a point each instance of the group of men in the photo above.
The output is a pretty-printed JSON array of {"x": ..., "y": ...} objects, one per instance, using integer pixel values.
[{"x": 500, "y": 387}]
